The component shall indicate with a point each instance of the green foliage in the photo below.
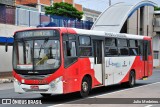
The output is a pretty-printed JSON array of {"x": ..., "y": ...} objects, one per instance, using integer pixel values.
[
  {"x": 63, "y": 9},
  {"x": 156, "y": 8}
]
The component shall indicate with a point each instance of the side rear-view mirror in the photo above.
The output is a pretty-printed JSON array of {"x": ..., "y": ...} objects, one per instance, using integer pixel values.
[{"x": 6, "y": 47}]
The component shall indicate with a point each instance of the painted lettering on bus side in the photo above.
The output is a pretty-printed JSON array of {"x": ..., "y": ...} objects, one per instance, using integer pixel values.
[
  {"x": 115, "y": 35},
  {"x": 110, "y": 63},
  {"x": 116, "y": 64}
]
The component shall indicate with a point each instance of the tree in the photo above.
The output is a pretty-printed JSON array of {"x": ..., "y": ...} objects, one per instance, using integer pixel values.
[
  {"x": 156, "y": 8},
  {"x": 63, "y": 9}
]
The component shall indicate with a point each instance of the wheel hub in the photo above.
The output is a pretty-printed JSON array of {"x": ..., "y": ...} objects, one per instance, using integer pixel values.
[
  {"x": 132, "y": 80},
  {"x": 85, "y": 86}
]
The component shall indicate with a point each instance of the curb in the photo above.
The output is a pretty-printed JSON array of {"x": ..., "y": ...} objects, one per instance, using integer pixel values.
[{"x": 6, "y": 80}]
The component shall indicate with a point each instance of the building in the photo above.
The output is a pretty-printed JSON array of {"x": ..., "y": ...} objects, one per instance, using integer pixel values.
[
  {"x": 34, "y": 13},
  {"x": 127, "y": 18},
  {"x": 138, "y": 19},
  {"x": 90, "y": 15},
  {"x": 40, "y": 4},
  {"x": 77, "y": 6},
  {"x": 8, "y": 2},
  {"x": 156, "y": 38},
  {"x": 21, "y": 14}
]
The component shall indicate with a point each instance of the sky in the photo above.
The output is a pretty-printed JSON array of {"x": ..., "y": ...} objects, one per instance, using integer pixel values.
[{"x": 101, "y": 5}]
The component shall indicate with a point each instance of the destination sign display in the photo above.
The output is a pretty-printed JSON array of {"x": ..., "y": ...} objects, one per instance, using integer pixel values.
[{"x": 36, "y": 33}]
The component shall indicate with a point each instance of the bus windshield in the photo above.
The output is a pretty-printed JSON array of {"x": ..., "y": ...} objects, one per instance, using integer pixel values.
[{"x": 36, "y": 54}]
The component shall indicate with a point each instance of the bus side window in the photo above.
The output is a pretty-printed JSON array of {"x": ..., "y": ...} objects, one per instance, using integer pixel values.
[
  {"x": 69, "y": 45},
  {"x": 149, "y": 48},
  {"x": 70, "y": 51},
  {"x": 71, "y": 48},
  {"x": 133, "y": 47},
  {"x": 123, "y": 47},
  {"x": 140, "y": 47},
  {"x": 111, "y": 47},
  {"x": 85, "y": 46}
]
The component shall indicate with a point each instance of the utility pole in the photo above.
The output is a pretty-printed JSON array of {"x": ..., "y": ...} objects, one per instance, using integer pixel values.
[{"x": 109, "y": 2}]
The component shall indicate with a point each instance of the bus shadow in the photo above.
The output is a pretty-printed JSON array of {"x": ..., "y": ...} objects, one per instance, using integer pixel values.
[{"x": 67, "y": 98}]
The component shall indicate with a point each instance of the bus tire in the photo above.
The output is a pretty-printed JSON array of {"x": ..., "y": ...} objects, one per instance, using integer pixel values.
[
  {"x": 45, "y": 95},
  {"x": 85, "y": 87},
  {"x": 132, "y": 79}
]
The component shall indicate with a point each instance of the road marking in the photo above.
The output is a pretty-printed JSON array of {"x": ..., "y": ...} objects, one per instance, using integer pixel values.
[
  {"x": 148, "y": 106},
  {"x": 125, "y": 90},
  {"x": 108, "y": 94}
]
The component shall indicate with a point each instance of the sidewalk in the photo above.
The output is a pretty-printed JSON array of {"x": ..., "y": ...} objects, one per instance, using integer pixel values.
[{"x": 6, "y": 77}]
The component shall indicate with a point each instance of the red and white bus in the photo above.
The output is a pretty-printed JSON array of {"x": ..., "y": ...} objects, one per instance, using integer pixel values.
[{"x": 65, "y": 60}]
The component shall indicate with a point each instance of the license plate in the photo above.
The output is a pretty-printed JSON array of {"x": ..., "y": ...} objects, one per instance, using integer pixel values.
[{"x": 35, "y": 87}]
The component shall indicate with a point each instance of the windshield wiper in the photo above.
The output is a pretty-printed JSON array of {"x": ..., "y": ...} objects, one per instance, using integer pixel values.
[
  {"x": 46, "y": 40},
  {"x": 40, "y": 51}
]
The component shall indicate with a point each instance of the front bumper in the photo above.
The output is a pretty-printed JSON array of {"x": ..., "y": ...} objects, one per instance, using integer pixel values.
[{"x": 48, "y": 88}]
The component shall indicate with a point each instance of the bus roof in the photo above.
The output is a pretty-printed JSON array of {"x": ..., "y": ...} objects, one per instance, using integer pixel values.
[
  {"x": 92, "y": 32},
  {"x": 110, "y": 34}
]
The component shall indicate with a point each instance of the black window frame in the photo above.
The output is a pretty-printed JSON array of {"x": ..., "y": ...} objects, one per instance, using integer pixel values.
[
  {"x": 119, "y": 47},
  {"x": 134, "y": 47},
  {"x": 69, "y": 60},
  {"x": 116, "y": 47},
  {"x": 110, "y": 45},
  {"x": 85, "y": 46},
  {"x": 140, "y": 45},
  {"x": 122, "y": 39},
  {"x": 149, "y": 48},
  {"x": 86, "y": 36}
]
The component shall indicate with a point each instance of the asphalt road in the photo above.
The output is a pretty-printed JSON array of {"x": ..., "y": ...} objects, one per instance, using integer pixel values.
[{"x": 7, "y": 91}]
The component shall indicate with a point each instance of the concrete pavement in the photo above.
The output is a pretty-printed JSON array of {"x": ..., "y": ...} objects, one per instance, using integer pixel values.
[
  {"x": 146, "y": 91},
  {"x": 6, "y": 86}
]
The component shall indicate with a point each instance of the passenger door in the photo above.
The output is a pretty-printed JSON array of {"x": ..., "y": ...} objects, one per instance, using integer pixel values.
[
  {"x": 146, "y": 53},
  {"x": 146, "y": 58},
  {"x": 98, "y": 54}
]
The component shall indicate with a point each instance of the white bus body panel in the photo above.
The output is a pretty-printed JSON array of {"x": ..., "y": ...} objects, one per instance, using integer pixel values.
[
  {"x": 97, "y": 70},
  {"x": 116, "y": 68}
]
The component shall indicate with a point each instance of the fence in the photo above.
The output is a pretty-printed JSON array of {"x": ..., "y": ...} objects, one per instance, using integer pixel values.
[
  {"x": 58, "y": 21},
  {"x": 33, "y": 18},
  {"x": 24, "y": 17}
]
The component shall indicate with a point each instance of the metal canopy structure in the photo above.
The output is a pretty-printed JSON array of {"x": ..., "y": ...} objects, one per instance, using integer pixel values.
[{"x": 114, "y": 17}]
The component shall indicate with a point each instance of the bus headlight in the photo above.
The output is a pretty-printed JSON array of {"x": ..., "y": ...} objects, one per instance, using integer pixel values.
[
  {"x": 58, "y": 79},
  {"x": 54, "y": 82},
  {"x": 15, "y": 80}
]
